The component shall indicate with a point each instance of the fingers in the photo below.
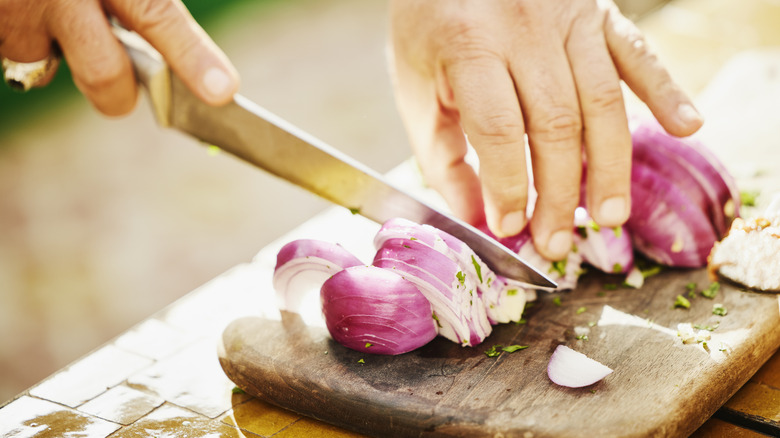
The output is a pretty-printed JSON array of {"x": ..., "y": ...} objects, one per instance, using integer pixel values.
[
  {"x": 100, "y": 67},
  {"x": 192, "y": 55},
  {"x": 606, "y": 134},
  {"x": 643, "y": 72},
  {"x": 438, "y": 142},
  {"x": 549, "y": 99},
  {"x": 490, "y": 115}
]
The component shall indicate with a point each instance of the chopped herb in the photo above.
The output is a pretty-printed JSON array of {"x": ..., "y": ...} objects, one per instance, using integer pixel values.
[
  {"x": 592, "y": 324},
  {"x": 461, "y": 277},
  {"x": 369, "y": 345},
  {"x": 583, "y": 232},
  {"x": 690, "y": 286},
  {"x": 436, "y": 318},
  {"x": 407, "y": 246},
  {"x": 492, "y": 351},
  {"x": 617, "y": 268},
  {"x": 692, "y": 294},
  {"x": 559, "y": 267},
  {"x": 582, "y": 337},
  {"x": 557, "y": 301},
  {"x": 719, "y": 309},
  {"x": 361, "y": 361},
  {"x": 581, "y": 310},
  {"x": 710, "y": 328},
  {"x": 477, "y": 267},
  {"x": 601, "y": 293},
  {"x": 513, "y": 348},
  {"x": 651, "y": 270},
  {"x": 711, "y": 290},
  {"x": 592, "y": 391},
  {"x": 236, "y": 389},
  {"x": 594, "y": 225},
  {"x": 490, "y": 280},
  {"x": 511, "y": 292},
  {"x": 681, "y": 301},
  {"x": 609, "y": 286},
  {"x": 213, "y": 150},
  {"x": 528, "y": 305},
  {"x": 354, "y": 210},
  {"x": 521, "y": 321},
  {"x": 412, "y": 238},
  {"x": 748, "y": 198},
  {"x": 618, "y": 232}
]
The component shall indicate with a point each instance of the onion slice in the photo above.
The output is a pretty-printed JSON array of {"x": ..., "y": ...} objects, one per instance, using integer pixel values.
[
  {"x": 303, "y": 265},
  {"x": 377, "y": 311},
  {"x": 607, "y": 249},
  {"x": 573, "y": 369}
]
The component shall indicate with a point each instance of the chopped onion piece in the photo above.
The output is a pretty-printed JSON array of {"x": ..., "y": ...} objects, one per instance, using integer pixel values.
[
  {"x": 573, "y": 369},
  {"x": 607, "y": 249},
  {"x": 377, "y": 311}
]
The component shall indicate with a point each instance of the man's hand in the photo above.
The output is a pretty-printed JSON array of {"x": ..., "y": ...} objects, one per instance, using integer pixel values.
[
  {"x": 100, "y": 67},
  {"x": 550, "y": 69}
]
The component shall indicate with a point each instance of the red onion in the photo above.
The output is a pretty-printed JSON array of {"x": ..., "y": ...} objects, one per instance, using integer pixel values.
[
  {"x": 606, "y": 249},
  {"x": 305, "y": 264},
  {"x": 573, "y": 369},
  {"x": 375, "y": 310}
]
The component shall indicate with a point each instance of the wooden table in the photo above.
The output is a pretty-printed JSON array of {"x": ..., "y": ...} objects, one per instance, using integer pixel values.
[{"x": 162, "y": 376}]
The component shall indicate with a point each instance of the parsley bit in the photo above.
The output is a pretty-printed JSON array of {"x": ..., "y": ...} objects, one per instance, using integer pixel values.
[
  {"x": 557, "y": 301},
  {"x": 681, "y": 301},
  {"x": 581, "y": 310},
  {"x": 711, "y": 291},
  {"x": 237, "y": 390},
  {"x": 719, "y": 309},
  {"x": 609, "y": 286},
  {"x": 477, "y": 267},
  {"x": 369, "y": 345},
  {"x": 361, "y": 361},
  {"x": 513, "y": 348},
  {"x": 582, "y": 337}
]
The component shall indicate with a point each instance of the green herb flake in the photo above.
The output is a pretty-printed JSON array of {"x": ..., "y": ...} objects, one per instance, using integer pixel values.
[
  {"x": 521, "y": 321},
  {"x": 710, "y": 328},
  {"x": 557, "y": 301},
  {"x": 592, "y": 224},
  {"x": 493, "y": 351},
  {"x": 583, "y": 232},
  {"x": 436, "y": 318},
  {"x": 237, "y": 390},
  {"x": 617, "y": 268},
  {"x": 412, "y": 238},
  {"x": 719, "y": 309},
  {"x": 213, "y": 151},
  {"x": 407, "y": 246},
  {"x": 361, "y": 361},
  {"x": 609, "y": 286},
  {"x": 581, "y": 310},
  {"x": 592, "y": 324},
  {"x": 369, "y": 345},
  {"x": 513, "y": 348},
  {"x": 461, "y": 277},
  {"x": 354, "y": 210},
  {"x": 618, "y": 232},
  {"x": 748, "y": 198},
  {"x": 601, "y": 293},
  {"x": 582, "y": 337},
  {"x": 558, "y": 267},
  {"x": 511, "y": 292},
  {"x": 690, "y": 286},
  {"x": 651, "y": 270},
  {"x": 477, "y": 267},
  {"x": 711, "y": 290},
  {"x": 681, "y": 301}
]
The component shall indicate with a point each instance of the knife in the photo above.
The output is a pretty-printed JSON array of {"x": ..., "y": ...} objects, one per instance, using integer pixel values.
[{"x": 257, "y": 136}]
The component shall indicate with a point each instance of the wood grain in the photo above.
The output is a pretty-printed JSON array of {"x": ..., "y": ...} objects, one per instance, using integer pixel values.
[{"x": 660, "y": 386}]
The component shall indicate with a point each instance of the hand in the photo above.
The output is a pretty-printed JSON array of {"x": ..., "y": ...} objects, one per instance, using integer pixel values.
[
  {"x": 100, "y": 67},
  {"x": 550, "y": 69}
]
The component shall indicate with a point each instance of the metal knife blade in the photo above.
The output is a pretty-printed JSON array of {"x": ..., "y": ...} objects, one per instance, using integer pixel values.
[{"x": 257, "y": 136}]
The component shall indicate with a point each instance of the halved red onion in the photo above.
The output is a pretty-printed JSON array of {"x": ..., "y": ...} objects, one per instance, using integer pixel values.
[
  {"x": 303, "y": 265},
  {"x": 573, "y": 369},
  {"x": 693, "y": 168},
  {"x": 665, "y": 225},
  {"x": 375, "y": 310},
  {"x": 606, "y": 249}
]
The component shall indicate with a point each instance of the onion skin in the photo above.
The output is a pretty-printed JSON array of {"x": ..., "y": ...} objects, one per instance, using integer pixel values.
[
  {"x": 305, "y": 264},
  {"x": 375, "y": 310}
]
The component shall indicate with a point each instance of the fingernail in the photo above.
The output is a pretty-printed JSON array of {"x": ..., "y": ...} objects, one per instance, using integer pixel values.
[
  {"x": 613, "y": 211},
  {"x": 687, "y": 116},
  {"x": 512, "y": 223},
  {"x": 217, "y": 83},
  {"x": 559, "y": 244}
]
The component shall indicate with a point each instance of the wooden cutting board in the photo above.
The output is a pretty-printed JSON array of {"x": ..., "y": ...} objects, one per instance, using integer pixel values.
[{"x": 660, "y": 386}]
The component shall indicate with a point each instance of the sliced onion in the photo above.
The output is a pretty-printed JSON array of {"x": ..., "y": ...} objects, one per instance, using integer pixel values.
[
  {"x": 665, "y": 225},
  {"x": 606, "y": 249},
  {"x": 303, "y": 265},
  {"x": 377, "y": 311},
  {"x": 573, "y": 369}
]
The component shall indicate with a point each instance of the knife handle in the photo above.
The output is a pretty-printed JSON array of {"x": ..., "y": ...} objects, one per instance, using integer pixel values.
[{"x": 151, "y": 72}]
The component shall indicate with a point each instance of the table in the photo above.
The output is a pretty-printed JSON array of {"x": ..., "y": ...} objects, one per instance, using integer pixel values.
[{"x": 162, "y": 376}]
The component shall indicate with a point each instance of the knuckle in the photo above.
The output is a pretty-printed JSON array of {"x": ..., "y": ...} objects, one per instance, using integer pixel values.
[
  {"x": 556, "y": 126},
  {"x": 104, "y": 72},
  {"x": 606, "y": 96},
  {"x": 498, "y": 128}
]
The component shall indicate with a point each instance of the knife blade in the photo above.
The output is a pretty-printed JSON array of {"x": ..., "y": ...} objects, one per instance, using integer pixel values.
[{"x": 259, "y": 137}]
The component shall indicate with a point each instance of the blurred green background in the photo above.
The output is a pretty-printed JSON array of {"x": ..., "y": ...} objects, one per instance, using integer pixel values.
[{"x": 16, "y": 108}]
